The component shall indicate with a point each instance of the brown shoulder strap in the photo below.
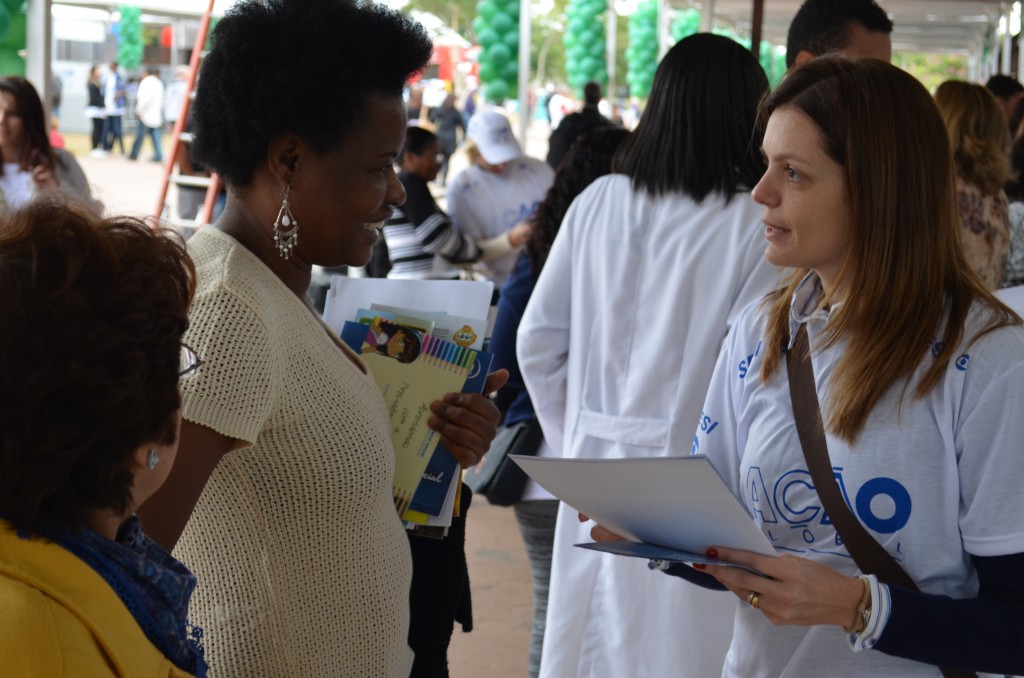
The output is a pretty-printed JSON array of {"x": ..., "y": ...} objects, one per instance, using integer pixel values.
[{"x": 870, "y": 556}]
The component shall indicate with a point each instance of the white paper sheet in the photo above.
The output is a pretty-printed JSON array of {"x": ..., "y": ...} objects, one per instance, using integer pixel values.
[
  {"x": 470, "y": 298},
  {"x": 676, "y": 502}
]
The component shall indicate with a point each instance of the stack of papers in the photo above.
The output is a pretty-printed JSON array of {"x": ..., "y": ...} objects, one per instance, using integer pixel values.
[
  {"x": 417, "y": 354},
  {"x": 669, "y": 508}
]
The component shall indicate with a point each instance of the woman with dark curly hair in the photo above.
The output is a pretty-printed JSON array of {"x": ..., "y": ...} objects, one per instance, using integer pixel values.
[
  {"x": 589, "y": 157},
  {"x": 31, "y": 166},
  {"x": 90, "y": 360},
  {"x": 286, "y": 464}
]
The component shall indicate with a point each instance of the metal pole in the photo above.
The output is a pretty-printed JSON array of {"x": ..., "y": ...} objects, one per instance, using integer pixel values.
[
  {"x": 611, "y": 28},
  {"x": 1020, "y": 43},
  {"x": 38, "y": 50},
  {"x": 707, "y": 16},
  {"x": 524, "y": 70},
  {"x": 1007, "y": 40},
  {"x": 663, "y": 28},
  {"x": 757, "y": 28}
]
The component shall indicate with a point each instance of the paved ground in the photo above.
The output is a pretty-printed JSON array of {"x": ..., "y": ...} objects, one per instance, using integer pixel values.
[{"x": 499, "y": 569}]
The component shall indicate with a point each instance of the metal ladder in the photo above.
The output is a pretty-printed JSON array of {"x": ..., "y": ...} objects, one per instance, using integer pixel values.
[{"x": 179, "y": 145}]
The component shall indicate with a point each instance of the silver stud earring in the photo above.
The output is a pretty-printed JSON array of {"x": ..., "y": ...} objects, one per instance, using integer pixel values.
[
  {"x": 152, "y": 459},
  {"x": 286, "y": 228}
]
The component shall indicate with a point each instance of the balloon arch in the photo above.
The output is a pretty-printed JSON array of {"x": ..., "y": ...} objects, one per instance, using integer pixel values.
[{"x": 497, "y": 28}]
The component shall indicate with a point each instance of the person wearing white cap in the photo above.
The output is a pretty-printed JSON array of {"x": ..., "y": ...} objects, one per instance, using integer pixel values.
[{"x": 491, "y": 199}]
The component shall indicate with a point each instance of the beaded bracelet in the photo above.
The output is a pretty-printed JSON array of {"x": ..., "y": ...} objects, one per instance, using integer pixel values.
[{"x": 863, "y": 616}]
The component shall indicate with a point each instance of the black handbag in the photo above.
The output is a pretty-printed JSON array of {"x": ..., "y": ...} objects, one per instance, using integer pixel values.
[{"x": 499, "y": 478}]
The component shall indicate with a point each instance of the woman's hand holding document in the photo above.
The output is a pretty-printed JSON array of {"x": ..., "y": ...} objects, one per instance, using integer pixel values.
[{"x": 663, "y": 508}]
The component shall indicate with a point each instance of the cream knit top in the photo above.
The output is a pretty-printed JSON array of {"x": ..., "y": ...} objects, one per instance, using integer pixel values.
[{"x": 302, "y": 563}]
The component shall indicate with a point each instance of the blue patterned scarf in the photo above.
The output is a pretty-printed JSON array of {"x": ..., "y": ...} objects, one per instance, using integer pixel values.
[{"x": 154, "y": 587}]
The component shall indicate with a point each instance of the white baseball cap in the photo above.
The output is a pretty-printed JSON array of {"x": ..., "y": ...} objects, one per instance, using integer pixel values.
[{"x": 491, "y": 133}]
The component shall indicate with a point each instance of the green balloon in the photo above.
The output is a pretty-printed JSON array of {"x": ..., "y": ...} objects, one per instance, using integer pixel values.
[
  {"x": 595, "y": 8},
  {"x": 510, "y": 72},
  {"x": 487, "y": 71},
  {"x": 512, "y": 40},
  {"x": 11, "y": 63},
  {"x": 576, "y": 53},
  {"x": 569, "y": 40},
  {"x": 596, "y": 49},
  {"x": 577, "y": 26},
  {"x": 5, "y": 24},
  {"x": 488, "y": 37},
  {"x": 13, "y": 6},
  {"x": 479, "y": 23},
  {"x": 497, "y": 91},
  {"x": 511, "y": 7},
  {"x": 499, "y": 54},
  {"x": 502, "y": 23},
  {"x": 487, "y": 9},
  {"x": 589, "y": 65}
]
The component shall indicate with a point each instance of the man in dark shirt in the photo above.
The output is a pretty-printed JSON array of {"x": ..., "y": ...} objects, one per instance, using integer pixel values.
[{"x": 575, "y": 124}]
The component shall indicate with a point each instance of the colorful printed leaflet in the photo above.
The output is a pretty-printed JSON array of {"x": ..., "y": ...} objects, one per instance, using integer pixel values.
[{"x": 412, "y": 370}]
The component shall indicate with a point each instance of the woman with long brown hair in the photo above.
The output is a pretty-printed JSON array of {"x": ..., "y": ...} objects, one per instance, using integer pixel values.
[
  {"x": 980, "y": 141},
  {"x": 919, "y": 372}
]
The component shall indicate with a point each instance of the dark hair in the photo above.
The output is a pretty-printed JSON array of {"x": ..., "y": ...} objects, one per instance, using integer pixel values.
[
  {"x": 589, "y": 157},
  {"x": 35, "y": 142},
  {"x": 1004, "y": 86},
  {"x": 93, "y": 314},
  {"x": 699, "y": 133},
  {"x": 882, "y": 127},
  {"x": 592, "y": 93},
  {"x": 307, "y": 67},
  {"x": 417, "y": 140},
  {"x": 823, "y": 26},
  {"x": 410, "y": 350}
]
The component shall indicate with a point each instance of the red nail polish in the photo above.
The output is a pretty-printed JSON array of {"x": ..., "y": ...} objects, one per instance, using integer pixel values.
[
  {"x": 700, "y": 566},
  {"x": 711, "y": 552}
]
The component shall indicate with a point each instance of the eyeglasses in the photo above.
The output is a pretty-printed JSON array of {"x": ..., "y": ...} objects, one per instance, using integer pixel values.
[{"x": 189, "y": 361}]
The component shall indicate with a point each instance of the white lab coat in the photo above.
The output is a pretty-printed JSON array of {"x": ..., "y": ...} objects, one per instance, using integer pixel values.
[{"x": 617, "y": 347}]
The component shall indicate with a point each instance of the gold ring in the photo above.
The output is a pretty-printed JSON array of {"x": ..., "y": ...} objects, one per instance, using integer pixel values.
[{"x": 753, "y": 599}]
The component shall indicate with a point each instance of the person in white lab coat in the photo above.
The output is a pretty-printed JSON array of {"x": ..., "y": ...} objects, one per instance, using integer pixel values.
[{"x": 619, "y": 340}]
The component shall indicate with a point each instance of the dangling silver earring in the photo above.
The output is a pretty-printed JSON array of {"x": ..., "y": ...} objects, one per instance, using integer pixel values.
[
  {"x": 152, "y": 459},
  {"x": 286, "y": 228}
]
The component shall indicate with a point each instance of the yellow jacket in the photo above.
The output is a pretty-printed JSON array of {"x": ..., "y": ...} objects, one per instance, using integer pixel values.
[{"x": 58, "y": 617}]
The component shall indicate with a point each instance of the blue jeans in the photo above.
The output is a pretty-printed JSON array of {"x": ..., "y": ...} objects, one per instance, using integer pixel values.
[
  {"x": 140, "y": 134},
  {"x": 112, "y": 132}
]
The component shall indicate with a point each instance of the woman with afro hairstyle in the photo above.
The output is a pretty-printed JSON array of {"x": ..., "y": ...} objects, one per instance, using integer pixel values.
[{"x": 282, "y": 497}]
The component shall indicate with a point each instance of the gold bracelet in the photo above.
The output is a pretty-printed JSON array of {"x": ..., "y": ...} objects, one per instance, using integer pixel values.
[{"x": 863, "y": 615}]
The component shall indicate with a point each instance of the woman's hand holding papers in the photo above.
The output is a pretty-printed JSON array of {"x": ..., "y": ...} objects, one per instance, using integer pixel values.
[
  {"x": 468, "y": 422},
  {"x": 795, "y": 591},
  {"x": 599, "y": 533}
]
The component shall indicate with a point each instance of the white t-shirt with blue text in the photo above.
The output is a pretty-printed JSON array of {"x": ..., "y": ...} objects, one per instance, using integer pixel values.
[{"x": 932, "y": 481}]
